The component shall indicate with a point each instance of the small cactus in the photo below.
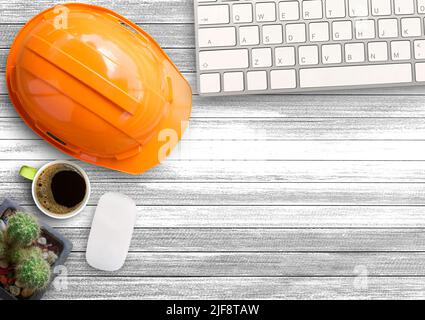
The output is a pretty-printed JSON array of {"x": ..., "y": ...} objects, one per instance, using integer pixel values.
[
  {"x": 22, "y": 229},
  {"x": 17, "y": 255},
  {"x": 33, "y": 273}
]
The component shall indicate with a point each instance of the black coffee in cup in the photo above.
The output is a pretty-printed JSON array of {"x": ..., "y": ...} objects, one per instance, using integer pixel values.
[{"x": 60, "y": 189}]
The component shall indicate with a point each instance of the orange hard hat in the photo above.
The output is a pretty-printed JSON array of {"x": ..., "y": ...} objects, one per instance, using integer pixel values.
[{"x": 97, "y": 87}]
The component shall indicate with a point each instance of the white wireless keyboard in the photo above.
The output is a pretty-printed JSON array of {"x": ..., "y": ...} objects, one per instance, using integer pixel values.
[{"x": 265, "y": 46}]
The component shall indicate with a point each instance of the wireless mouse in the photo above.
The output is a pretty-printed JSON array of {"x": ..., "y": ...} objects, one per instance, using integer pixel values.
[{"x": 111, "y": 232}]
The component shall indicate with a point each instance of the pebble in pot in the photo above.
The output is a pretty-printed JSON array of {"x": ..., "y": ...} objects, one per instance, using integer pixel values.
[
  {"x": 27, "y": 292},
  {"x": 42, "y": 241},
  {"x": 15, "y": 291}
]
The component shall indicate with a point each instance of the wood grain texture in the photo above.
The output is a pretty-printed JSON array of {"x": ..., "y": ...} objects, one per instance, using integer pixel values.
[
  {"x": 250, "y": 171},
  {"x": 280, "y": 197},
  {"x": 212, "y": 129},
  {"x": 242, "y": 150},
  {"x": 254, "y": 194},
  {"x": 264, "y": 217},
  {"x": 174, "y": 35},
  {"x": 258, "y": 240},
  {"x": 261, "y": 264},
  {"x": 142, "y": 11},
  {"x": 241, "y": 288}
]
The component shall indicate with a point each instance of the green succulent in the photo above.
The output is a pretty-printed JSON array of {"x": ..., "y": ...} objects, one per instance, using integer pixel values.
[
  {"x": 17, "y": 255},
  {"x": 22, "y": 229},
  {"x": 33, "y": 273}
]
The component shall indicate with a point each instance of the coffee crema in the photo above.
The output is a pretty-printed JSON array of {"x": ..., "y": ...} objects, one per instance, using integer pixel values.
[{"x": 60, "y": 189}]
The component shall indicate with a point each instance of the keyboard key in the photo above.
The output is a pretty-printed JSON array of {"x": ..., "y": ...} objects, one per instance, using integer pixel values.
[
  {"x": 283, "y": 79},
  {"x": 242, "y": 13},
  {"x": 257, "y": 80},
  {"x": 335, "y": 9},
  {"x": 358, "y": 8},
  {"x": 261, "y": 58},
  {"x": 411, "y": 27},
  {"x": 377, "y": 51},
  {"x": 356, "y": 75},
  {"x": 217, "y": 37},
  {"x": 249, "y": 36},
  {"x": 272, "y": 34},
  {"x": 342, "y": 30},
  {"x": 404, "y": 7},
  {"x": 365, "y": 29},
  {"x": 420, "y": 72},
  {"x": 210, "y": 83},
  {"x": 312, "y": 9},
  {"x": 421, "y": 6},
  {"x": 331, "y": 53},
  {"x": 308, "y": 55},
  {"x": 295, "y": 33},
  {"x": 400, "y": 50},
  {"x": 419, "y": 49},
  {"x": 223, "y": 59},
  {"x": 319, "y": 31},
  {"x": 233, "y": 82},
  {"x": 381, "y": 7},
  {"x": 266, "y": 11},
  {"x": 289, "y": 11},
  {"x": 388, "y": 28},
  {"x": 354, "y": 52},
  {"x": 284, "y": 56},
  {"x": 215, "y": 14}
]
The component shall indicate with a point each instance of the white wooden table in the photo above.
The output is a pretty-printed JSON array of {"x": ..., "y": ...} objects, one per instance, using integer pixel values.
[{"x": 297, "y": 196}]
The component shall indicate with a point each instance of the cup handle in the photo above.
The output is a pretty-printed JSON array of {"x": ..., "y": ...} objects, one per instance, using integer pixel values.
[{"x": 28, "y": 172}]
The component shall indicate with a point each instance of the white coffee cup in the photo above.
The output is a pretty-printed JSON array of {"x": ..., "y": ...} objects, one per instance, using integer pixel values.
[{"x": 33, "y": 174}]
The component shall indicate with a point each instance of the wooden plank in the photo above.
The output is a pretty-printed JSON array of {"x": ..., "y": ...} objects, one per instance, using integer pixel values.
[
  {"x": 274, "y": 129},
  {"x": 179, "y": 194},
  {"x": 261, "y": 264},
  {"x": 233, "y": 217},
  {"x": 167, "y": 35},
  {"x": 242, "y": 288},
  {"x": 249, "y": 171},
  {"x": 24, "y": 150},
  {"x": 259, "y": 240},
  {"x": 158, "y": 11}
]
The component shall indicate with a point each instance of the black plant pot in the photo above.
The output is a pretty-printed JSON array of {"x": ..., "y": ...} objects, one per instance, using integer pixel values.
[{"x": 64, "y": 245}]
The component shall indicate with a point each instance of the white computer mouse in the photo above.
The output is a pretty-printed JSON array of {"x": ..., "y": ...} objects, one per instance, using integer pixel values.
[{"x": 111, "y": 232}]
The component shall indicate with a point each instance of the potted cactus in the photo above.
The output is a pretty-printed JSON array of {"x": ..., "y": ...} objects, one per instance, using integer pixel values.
[{"x": 28, "y": 253}]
